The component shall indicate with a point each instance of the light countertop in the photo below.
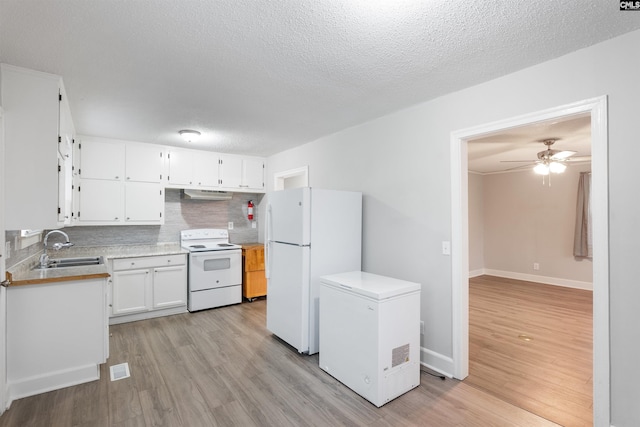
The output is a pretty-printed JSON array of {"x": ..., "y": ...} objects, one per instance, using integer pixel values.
[{"x": 25, "y": 274}]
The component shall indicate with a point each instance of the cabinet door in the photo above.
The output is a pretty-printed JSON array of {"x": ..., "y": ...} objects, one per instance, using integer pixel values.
[
  {"x": 144, "y": 163},
  {"x": 231, "y": 171},
  {"x": 100, "y": 201},
  {"x": 169, "y": 286},
  {"x": 101, "y": 159},
  {"x": 253, "y": 173},
  {"x": 143, "y": 202},
  {"x": 31, "y": 110},
  {"x": 205, "y": 167},
  {"x": 180, "y": 167},
  {"x": 65, "y": 190},
  {"x": 129, "y": 294}
]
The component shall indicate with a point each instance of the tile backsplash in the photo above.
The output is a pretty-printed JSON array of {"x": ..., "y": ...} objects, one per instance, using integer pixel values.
[{"x": 180, "y": 214}]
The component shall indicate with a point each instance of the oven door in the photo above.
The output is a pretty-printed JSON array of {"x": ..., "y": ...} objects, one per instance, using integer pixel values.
[{"x": 214, "y": 269}]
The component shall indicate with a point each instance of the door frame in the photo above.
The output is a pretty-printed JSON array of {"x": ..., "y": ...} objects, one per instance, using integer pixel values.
[{"x": 597, "y": 108}]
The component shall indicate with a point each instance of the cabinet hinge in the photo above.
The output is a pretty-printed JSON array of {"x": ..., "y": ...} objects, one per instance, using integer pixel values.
[
  {"x": 72, "y": 186},
  {"x": 73, "y": 141},
  {"x": 79, "y": 171},
  {"x": 161, "y": 192},
  {"x": 59, "y": 168},
  {"x": 59, "y": 139},
  {"x": 161, "y": 154},
  {"x": 78, "y": 188},
  {"x": 78, "y": 214},
  {"x": 168, "y": 155},
  {"x": 59, "y": 96},
  {"x": 160, "y": 214},
  {"x": 160, "y": 177},
  {"x": 79, "y": 146},
  {"x": 73, "y": 168},
  {"x": 59, "y": 210}
]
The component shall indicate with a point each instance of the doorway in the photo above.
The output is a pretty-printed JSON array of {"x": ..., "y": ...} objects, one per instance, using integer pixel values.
[{"x": 597, "y": 109}]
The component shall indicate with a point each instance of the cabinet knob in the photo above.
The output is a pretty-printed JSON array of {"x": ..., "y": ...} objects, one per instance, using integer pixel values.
[
  {"x": 110, "y": 305},
  {"x": 117, "y": 177},
  {"x": 116, "y": 218},
  {"x": 128, "y": 218},
  {"x": 133, "y": 263},
  {"x": 168, "y": 260},
  {"x": 128, "y": 177}
]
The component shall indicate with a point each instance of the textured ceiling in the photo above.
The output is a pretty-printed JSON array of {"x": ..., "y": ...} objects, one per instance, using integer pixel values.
[{"x": 262, "y": 76}]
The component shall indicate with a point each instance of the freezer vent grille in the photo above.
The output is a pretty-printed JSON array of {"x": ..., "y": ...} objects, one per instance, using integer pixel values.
[{"x": 399, "y": 355}]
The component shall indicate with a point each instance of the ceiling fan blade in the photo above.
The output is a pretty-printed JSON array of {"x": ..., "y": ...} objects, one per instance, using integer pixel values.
[
  {"x": 579, "y": 159},
  {"x": 518, "y": 167},
  {"x": 561, "y": 155},
  {"x": 519, "y": 161}
]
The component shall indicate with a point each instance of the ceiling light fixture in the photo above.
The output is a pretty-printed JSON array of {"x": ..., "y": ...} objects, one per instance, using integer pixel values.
[
  {"x": 190, "y": 135},
  {"x": 546, "y": 166}
]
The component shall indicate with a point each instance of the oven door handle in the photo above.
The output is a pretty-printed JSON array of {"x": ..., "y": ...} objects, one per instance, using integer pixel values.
[{"x": 267, "y": 243}]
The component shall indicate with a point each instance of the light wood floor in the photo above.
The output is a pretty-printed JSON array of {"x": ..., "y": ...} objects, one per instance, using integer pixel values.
[
  {"x": 549, "y": 375},
  {"x": 222, "y": 367}
]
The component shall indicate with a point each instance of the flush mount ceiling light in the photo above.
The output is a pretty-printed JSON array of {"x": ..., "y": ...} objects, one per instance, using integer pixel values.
[{"x": 190, "y": 135}]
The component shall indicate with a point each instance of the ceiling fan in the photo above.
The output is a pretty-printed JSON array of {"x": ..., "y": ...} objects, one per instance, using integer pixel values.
[{"x": 550, "y": 160}]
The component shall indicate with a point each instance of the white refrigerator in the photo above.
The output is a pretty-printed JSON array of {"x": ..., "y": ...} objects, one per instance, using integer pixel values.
[{"x": 309, "y": 232}]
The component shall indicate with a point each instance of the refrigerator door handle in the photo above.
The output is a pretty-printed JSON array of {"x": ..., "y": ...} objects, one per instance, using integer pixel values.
[{"x": 267, "y": 242}]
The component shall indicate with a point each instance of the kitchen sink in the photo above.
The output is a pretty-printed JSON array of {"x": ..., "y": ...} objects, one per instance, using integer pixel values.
[{"x": 72, "y": 262}]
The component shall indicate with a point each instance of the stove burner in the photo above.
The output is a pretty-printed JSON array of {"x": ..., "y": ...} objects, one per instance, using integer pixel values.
[
  {"x": 225, "y": 245},
  {"x": 197, "y": 246}
]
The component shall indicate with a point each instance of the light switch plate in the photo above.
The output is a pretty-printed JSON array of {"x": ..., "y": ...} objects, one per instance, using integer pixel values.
[
  {"x": 230, "y": 225},
  {"x": 446, "y": 248}
]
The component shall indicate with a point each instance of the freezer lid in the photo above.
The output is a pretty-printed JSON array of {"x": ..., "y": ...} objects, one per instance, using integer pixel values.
[{"x": 370, "y": 285}]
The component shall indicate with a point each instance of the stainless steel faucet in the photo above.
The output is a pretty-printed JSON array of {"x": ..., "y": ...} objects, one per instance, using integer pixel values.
[{"x": 44, "y": 258}]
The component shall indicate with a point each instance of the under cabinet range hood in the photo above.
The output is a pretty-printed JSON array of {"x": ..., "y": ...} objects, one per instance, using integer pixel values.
[{"x": 207, "y": 195}]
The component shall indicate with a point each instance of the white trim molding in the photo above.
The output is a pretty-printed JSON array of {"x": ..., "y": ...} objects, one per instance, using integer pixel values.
[
  {"x": 545, "y": 280},
  {"x": 597, "y": 109}
]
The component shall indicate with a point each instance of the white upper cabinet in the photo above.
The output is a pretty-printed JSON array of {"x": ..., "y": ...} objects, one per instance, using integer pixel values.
[
  {"x": 205, "y": 169},
  {"x": 192, "y": 169},
  {"x": 144, "y": 162},
  {"x": 66, "y": 139},
  {"x": 253, "y": 173},
  {"x": 101, "y": 159},
  {"x": 31, "y": 104},
  {"x": 242, "y": 173},
  {"x": 144, "y": 202},
  {"x": 180, "y": 167},
  {"x": 119, "y": 182}
]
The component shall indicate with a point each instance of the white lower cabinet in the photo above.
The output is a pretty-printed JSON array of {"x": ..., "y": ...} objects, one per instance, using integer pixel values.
[
  {"x": 146, "y": 287},
  {"x": 57, "y": 335}
]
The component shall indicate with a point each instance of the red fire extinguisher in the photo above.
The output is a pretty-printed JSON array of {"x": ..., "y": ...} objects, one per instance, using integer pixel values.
[{"x": 250, "y": 210}]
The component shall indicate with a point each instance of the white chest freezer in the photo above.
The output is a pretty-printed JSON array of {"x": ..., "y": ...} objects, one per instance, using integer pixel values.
[{"x": 370, "y": 333}]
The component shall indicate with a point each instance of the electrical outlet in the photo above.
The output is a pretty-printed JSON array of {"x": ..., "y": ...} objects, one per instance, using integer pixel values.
[
  {"x": 230, "y": 225},
  {"x": 536, "y": 266},
  {"x": 422, "y": 327},
  {"x": 254, "y": 224}
]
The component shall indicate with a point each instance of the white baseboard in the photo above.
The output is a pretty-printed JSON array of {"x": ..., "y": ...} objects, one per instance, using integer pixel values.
[
  {"x": 534, "y": 278},
  {"x": 115, "y": 320},
  {"x": 51, "y": 381},
  {"x": 436, "y": 362},
  {"x": 476, "y": 273}
]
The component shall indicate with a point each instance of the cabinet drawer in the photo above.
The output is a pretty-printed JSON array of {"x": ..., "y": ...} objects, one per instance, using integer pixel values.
[{"x": 148, "y": 262}]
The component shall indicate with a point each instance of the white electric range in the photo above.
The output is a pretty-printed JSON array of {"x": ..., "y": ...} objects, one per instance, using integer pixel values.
[{"x": 215, "y": 268}]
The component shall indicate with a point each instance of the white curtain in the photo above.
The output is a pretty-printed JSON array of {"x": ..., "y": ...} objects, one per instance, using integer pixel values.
[{"x": 582, "y": 246}]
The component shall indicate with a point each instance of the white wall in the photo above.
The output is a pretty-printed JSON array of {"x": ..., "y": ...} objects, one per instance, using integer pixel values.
[
  {"x": 526, "y": 222},
  {"x": 476, "y": 224},
  {"x": 401, "y": 163}
]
